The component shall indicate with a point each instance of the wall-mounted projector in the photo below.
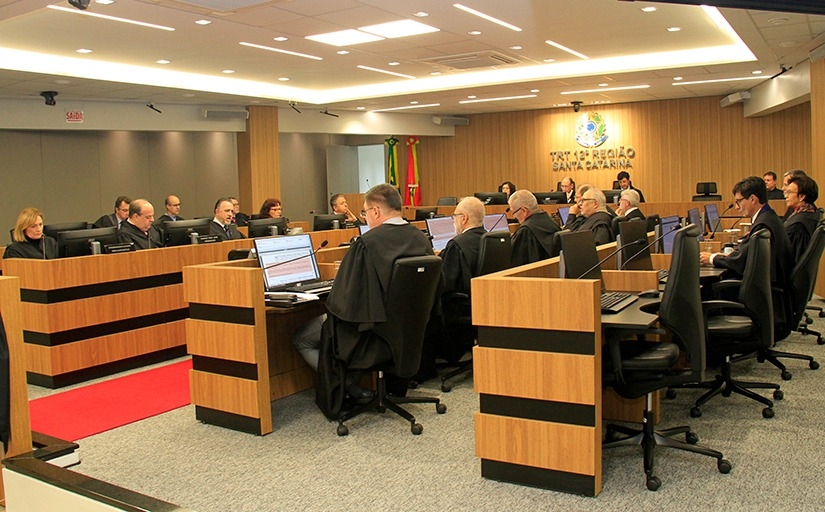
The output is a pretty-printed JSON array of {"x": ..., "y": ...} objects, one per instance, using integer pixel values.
[
  {"x": 451, "y": 120},
  {"x": 736, "y": 97}
]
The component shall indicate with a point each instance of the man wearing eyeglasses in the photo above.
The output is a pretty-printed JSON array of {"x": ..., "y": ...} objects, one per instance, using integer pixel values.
[
  {"x": 533, "y": 240},
  {"x": 138, "y": 228},
  {"x": 593, "y": 207},
  {"x": 117, "y": 218}
]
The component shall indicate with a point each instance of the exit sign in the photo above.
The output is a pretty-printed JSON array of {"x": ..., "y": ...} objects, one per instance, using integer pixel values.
[{"x": 74, "y": 116}]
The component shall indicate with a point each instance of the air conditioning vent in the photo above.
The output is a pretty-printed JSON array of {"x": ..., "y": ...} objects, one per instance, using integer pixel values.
[
  {"x": 216, "y": 113},
  {"x": 486, "y": 59}
]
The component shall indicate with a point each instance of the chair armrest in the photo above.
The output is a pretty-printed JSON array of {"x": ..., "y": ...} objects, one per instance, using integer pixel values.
[
  {"x": 727, "y": 284},
  {"x": 722, "y": 305}
]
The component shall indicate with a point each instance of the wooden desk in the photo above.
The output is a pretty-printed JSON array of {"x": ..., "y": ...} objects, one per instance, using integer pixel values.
[{"x": 544, "y": 428}]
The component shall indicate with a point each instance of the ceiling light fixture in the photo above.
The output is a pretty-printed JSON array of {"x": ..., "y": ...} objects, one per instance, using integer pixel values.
[
  {"x": 487, "y": 17},
  {"x": 720, "y": 80},
  {"x": 400, "y": 28},
  {"x": 566, "y": 49},
  {"x": 474, "y": 32},
  {"x": 105, "y": 2},
  {"x": 385, "y": 72},
  {"x": 280, "y": 39},
  {"x": 342, "y": 52},
  {"x": 278, "y": 50},
  {"x": 406, "y": 107},
  {"x": 648, "y": 9},
  {"x": 228, "y": 71},
  {"x": 421, "y": 14},
  {"x": 83, "y": 50},
  {"x": 294, "y": 106},
  {"x": 626, "y": 88},
  {"x": 110, "y": 18},
  {"x": 674, "y": 29},
  {"x": 344, "y": 38},
  {"x": 162, "y": 61},
  {"x": 504, "y": 98}
]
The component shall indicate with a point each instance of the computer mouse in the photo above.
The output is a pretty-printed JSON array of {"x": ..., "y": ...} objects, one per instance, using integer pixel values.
[{"x": 649, "y": 294}]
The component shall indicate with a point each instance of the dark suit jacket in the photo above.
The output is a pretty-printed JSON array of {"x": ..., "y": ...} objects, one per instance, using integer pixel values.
[
  {"x": 217, "y": 229},
  {"x": 164, "y": 218},
  {"x": 106, "y": 221}
]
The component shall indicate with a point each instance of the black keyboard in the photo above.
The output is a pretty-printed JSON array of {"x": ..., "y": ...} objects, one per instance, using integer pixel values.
[
  {"x": 313, "y": 287},
  {"x": 613, "y": 302},
  {"x": 663, "y": 275}
]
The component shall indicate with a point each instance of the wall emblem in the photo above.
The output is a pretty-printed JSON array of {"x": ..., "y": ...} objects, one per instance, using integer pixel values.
[{"x": 591, "y": 130}]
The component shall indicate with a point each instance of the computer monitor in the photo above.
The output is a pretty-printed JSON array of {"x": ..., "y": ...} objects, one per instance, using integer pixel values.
[
  {"x": 441, "y": 231},
  {"x": 564, "y": 213},
  {"x": 326, "y": 221},
  {"x": 693, "y": 218},
  {"x": 495, "y": 222},
  {"x": 78, "y": 242},
  {"x": 550, "y": 197},
  {"x": 578, "y": 258},
  {"x": 425, "y": 213},
  {"x": 286, "y": 260},
  {"x": 491, "y": 197},
  {"x": 178, "y": 232},
  {"x": 612, "y": 196},
  {"x": 667, "y": 232},
  {"x": 53, "y": 229},
  {"x": 257, "y": 228},
  {"x": 711, "y": 218},
  {"x": 635, "y": 251}
]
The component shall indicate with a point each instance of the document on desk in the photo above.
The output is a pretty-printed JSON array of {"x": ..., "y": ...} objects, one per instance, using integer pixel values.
[{"x": 287, "y": 300}]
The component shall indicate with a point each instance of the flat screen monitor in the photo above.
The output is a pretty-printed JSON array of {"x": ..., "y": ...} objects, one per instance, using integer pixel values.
[
  {"x": 441, "y": 231},
  {"x": 711, "y": 218},
  {"x": 324, "y": 222},
  {"x": 635, "y": 251},
  {"x": 693, "y": 218},
  {"x": 564, "y": 213},
  {"x": 667, "y": 232},
  {"x": 286, "y": 260},
  {"x": 425, "y": 213},
  {"x": 495, "y": 222},
  {"x": 491, "y": 197},
  {"x": 579, "y": 259},
  {"x": 53, "y": 229},
  {"x": 257, "y": 228},
  {"x": 78, "y": 242},
  {"x": 612, "y": 196},
  {"x": 178, "y": 232},
  {"x": 550, "y": 197}
]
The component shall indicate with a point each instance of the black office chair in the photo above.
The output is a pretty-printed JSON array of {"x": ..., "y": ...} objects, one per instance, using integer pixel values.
[
  {"x": 447, "y": 201},
  {"x": 237, "y": 254},
  {"x": 616, "y": 185},
  {"x": 706, "y": 191},
  {"x": 743, "y": 327},
  {"x": 652, "y": 221},
  {"x": 404, "y": 332},
  {"x": 636, "y": 369},
  {"x": 494, "y": 255}
]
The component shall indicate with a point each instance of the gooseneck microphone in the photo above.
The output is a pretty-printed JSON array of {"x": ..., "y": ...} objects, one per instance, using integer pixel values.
[
  {"x": 719, "y": 222},
  {"x": 636, "y": 242},
  {"x": 307, "y": 255},
  {"x": 651, "y": 244}
]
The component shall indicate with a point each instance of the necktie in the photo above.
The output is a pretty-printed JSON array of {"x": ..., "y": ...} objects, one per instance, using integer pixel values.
[{"x": 228, "y": 233}]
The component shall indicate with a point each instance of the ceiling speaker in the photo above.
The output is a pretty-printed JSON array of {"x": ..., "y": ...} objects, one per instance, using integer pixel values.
[
  {"x": 214, "y": 113},
  {"x": 451, "y": 120}
]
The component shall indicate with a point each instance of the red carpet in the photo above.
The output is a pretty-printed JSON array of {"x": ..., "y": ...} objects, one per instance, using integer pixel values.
[{"x": 93, "y": 409}]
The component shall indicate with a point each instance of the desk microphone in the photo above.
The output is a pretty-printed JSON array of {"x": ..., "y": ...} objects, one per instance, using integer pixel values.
[
  {"x": 314, "y": 212},
  {"x": 636, "y": 242},
  {"x": 651, "y": 244},
  {"x": 719, "y": 222},
  {"x": 278, "y": 264}
]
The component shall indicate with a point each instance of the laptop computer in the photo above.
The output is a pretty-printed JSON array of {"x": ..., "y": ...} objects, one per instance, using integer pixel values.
[
  {"x": 289, "y": 266},
  {"x": 441, "y": 231}
]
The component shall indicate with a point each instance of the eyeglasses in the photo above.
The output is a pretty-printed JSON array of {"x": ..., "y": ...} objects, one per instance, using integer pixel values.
[
  {"x": 586, "y": 199},
  {"x": 514, "y": 212},
  {"x": 364, "y": 212},
  {"x": 457, "y": 214},
  {"x": 737, "y": 201}
]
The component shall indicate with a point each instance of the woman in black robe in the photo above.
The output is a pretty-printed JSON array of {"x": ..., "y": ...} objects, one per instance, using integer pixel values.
[{"x": 29, "y": 240}]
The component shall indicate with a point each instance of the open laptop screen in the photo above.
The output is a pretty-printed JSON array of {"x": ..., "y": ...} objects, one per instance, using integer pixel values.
[
  {"x": 441, "y": 231},
  {"x": 279, "y": 250},
  {"x": 495, "y": 222}
]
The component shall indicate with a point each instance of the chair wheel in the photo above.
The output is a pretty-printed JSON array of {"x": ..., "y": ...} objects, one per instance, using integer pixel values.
[
  {"x": 778, "y": 394},
  {"x": 653, "y": 483},
  {"x": 767, "y": 412},
  {"x": 446, "y": 387},
  {"x": 670, "y": 394},
  {"x": 440, "y": 408},
  {"x": 416, "y": 428},
  {"x": 342, "y": 430},
  {"x": 809, "y": 320},
  {"x": 813, "y": 365},
  {"x": 786, "y": 375},
  {"x": 724, "y": 466},
  {"x": 820, "y": 341},
  {"x": 412, "y": 384},
  {"x": 691, "y": 438},
  {"x": 726, "y": 393},
  {"x": 695, "y": 412},
  {"x": 822, "y": 314}
]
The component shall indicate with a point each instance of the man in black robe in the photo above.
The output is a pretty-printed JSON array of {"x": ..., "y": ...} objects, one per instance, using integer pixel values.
[
  {"x": 221, "y": 224},
  {"x": 629, "y": 206},
  {"x": 801, "y": 193},
  {"x": 118, "y": 217},
  {"x": 533, "y": 240},
  {"x": 138, "y": 228},
  {"x": 356, "y": 303},
  {"x": 594, "y": 209}
]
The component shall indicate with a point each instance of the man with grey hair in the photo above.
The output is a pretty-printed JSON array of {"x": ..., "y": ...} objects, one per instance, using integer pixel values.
[
  {"x": 138, "y": 228},
  {"x": 629, "y": 205},
  {"x": 533, "y": 240},
  {"x": 593, "y": 208}
]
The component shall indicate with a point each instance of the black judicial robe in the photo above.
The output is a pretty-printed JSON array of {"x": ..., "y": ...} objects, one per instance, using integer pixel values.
[
  {"x": 461, "y": 260},
  {"x": 217, "y": 229},
  {"x": 356, "y": 305},
  {"x": 106, "y": 221},
  {"x": 128, "y": 232},
  {"x": 635, "y": 214},
  {"x": 599, "y": 224},
  {"x": 32, "y": 249},
  {"x": 800, "y": 226},
  {"x": 533, "y": 240}
]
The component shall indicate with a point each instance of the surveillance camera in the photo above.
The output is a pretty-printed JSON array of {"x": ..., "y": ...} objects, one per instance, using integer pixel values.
[
  {"x": 49, "y": 97},
  {"x": 577, "y": 105}
]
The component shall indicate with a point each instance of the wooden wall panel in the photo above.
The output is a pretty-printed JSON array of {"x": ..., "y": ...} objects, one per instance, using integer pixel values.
[
  {"x": 677, "y": 143},
  {"x": 259, "y": 165},
  {"x": 220, "y": 340},
  {"x": 220, "y": 392},
  {"x": 818, "y": 147}
]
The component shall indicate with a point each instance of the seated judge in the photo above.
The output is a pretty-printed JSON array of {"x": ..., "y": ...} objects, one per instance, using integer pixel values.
[
  {"x": 29, "y": 240},
  {"x": 339, "y": 206},
  {"x": 568, "y": 186},
  {"x": 271, "y": 209},
  {"x": 800, "y": 194},
  {"x": 625, "y": 184},
  {"x": 356, "y": 303},
  {"x": 629, "y": 205},
  {"x": 593, "y": 208},
  {"x": 172, "y": 210},
  {"x": 533, "y": 240},
  {"x": 238, "y": 218},
  {"x": 786, "y": 178},
  {"x": 774, "y": 192},
  {"x": 221, "y": 224},
  {"x": 115, "y": 219},
  {"x": 508, "y": 188},
  {"x": 139, "y": 228}
]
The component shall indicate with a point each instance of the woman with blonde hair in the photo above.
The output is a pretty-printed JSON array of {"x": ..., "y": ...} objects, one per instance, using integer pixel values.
[{"x": 29, "y": 240}]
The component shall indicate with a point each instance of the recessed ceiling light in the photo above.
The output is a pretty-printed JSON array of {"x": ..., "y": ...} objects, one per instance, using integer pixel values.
[
  {"x": 62, "y": 82},
  {"x": 280, "y": 39},
  {"x": 474, "y": 33},
  {"x": 435, "y": 73},
  {"x": 626, "y": 88},
  {"x": 472, "y": 96},
  {"x": 566, "y": 49},
  {"x": 649, "y": 9},
  {"x": 413, "y": 103},
  {"x": 549, "y": 60},
  {"x": 516, "y": 47},
  {"x": 188, "y": 95},
  {"x": 360, "y": 108},
  {"x": 278, "y": 50},
  {"x": 162, "y": 61},
  {"x": 110, "y": 18},
  {"x": 534, "y": 90},
  {"x": 344, "y": 38},
  {"x": 385, "y": 72},
  {"x": 674, "y": 29},
  {"x": 603, "y": 85},
  {"x": 105, "y": 2},
  {"x": 421, "y": 14},
  {"x": 499, "y": 99},
  {"x": 757, "y": 72},
  {"x": 203, "y": 22},
  {"x": 400, "y": 28},
  {"x": 407, "y": 107},
  {"x": 228, "y": 71},
  {"x": 788, "y": 44},
  {"x": 283, "y": 79},
  {"x": 487, "y": 17},
  {"x": 778, "y": 20},
  {"x": 83, "y": 50},
  {"x": 717, "y": 80},
  {"x": 677, "y": 78},
  {"x": 393, "y": 63},
  {"x": 342, "y": 52}
]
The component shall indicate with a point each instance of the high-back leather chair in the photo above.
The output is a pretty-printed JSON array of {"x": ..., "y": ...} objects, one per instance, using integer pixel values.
[
  {"x": 447, "y": 201},
  {"x": 706, "y": 191},
  {"x": 237, "y": 254},
  {"x": 407, "y": 317},
  {"x": 638, "y": 369}
]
